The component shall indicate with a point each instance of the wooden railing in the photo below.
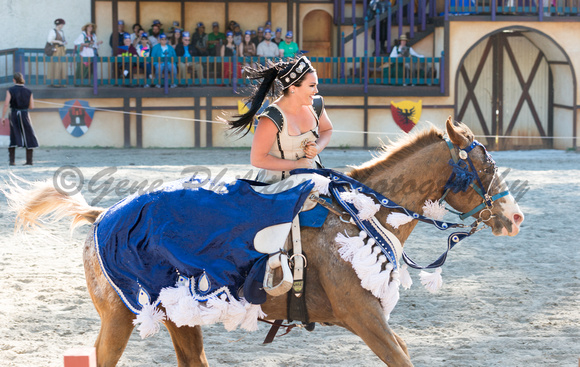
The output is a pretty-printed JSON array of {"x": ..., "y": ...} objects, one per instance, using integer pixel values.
[
  {"x": 208, "y": 71},
  {"x": 540, "y": 8}
]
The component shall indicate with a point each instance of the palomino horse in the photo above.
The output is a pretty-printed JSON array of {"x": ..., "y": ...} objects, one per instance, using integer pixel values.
[{"x": 409, "y": 172}]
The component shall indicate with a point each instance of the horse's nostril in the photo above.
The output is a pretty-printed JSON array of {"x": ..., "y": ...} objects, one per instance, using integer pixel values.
[{"x": 518, "y": 219}]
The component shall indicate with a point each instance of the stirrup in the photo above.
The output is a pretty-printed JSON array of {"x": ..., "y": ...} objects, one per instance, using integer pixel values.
[{"x": 274, "y": 262}]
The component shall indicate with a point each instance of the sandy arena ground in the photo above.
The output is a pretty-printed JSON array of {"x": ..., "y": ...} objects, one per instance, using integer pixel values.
[{"x": 504, "y": 302}]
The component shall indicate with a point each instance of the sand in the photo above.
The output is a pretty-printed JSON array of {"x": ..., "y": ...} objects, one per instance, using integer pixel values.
[{"x": 504, "y": 302}]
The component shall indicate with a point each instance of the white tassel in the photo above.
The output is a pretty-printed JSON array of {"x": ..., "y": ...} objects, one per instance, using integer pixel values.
[
  {"x": 432, "y": 281},
  {"x": 434, "y": 209},
  {"x": 391, "y": 295},
  {"x": 364, "y": 204},
  {"x": 349, "y": 245},
  {"x": 398, "y": 219},
  {"x": 406, "y": 280},
  {"x": 321, "y": 184},
  {"x": 150, "y": 319},
  {"x": 253, "y": 313},
  {"x": 236, "y": 314},
  {"x": 180, "y": 306}
]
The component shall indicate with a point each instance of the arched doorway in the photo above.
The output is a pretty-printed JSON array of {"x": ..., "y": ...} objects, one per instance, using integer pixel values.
[
  {"x": 505, "y": 90},
  {"x": 316, "y": 38}
]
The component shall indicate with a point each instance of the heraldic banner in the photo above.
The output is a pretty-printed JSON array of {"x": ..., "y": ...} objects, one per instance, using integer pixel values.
[
  {"x": 406, "y": 114},
  {"x": 76, "y": 117}
]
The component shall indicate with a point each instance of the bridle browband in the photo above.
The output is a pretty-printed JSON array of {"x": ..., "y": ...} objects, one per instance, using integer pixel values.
[{"x": 340, "y": 183}]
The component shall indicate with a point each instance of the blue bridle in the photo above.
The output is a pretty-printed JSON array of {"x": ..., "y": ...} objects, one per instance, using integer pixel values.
[{"x": 464, "y": 175}]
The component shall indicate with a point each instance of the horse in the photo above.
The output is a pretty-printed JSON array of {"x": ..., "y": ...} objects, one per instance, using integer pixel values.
[{"x": 409, "y": 172}]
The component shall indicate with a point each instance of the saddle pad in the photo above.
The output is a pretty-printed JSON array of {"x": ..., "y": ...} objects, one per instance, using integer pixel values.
[{"x": 148, "y": 242}]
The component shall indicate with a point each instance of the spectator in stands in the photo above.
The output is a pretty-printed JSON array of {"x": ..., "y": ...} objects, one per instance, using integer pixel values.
[
  {"x": 404, "y": 51},
  {"x": 174, "y": 26},
  {"x": 126, "y": 50},
  {"x": 247, "y": 48},
  {"x": 199, "y": 40},
  {"x": 164, "y": 58},
  {"x": 185, "y": 52},
  {"x": 288, "y": 48},
  {"x": 120, "y": 32},
  {"x": 87, "y": 45},
  {"x": 136, "y": 35},
  {"x": 228, "y": 50},
  {"x": 157, "y": 23},
  {"x": 237, "y": 35},
  {"x": 278, "y": 37},
  {"x": 267, "y": 48},
  {"x": 231, "y": 26},
  {"x": 215, "y": 40},
  {"x": 175, "y": 38},
  {"x": 57, "y": 69},
  {"x": 154, "y": 33},
  {"x": 259, "y": 36},
  {"x": 268, "y": 25},
  {"x": 144, "y": 51}
]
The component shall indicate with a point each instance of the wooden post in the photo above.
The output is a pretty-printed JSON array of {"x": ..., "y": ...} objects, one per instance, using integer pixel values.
[{"x": 81, "y": 357}]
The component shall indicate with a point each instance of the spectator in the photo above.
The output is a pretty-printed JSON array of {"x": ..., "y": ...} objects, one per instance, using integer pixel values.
[
  {"x": 86, "y": 45},
  {"x": 136, "y": 35},
  {"x": 267, "y": 48},
  {"x": 126, "y": 50},
  {"x": 57, "y": 69},
  {"x": 229, "y": 50},
  {"x": 20, "y": 100},
  {"x": 157, "y": 23},
  {"x": 174, "y": 26},
  {"x": 121, "y": 31},
  {"x": 175, "y": 38},
  {"x": 278, "y": 37},
  {"x": 268, "y": 25},
  {"x": 247, "y": 48},
  {"x": 144, "y": 51},
  {"x": 259, "y": 36},
  {"x": 404, "y": 51},
  {"x": 199, "y": 40},
  {"x": 188, "y": 51},
  {"x": 237, "y": 35},
  {"x": 288, "y": 48},
  {"x": 155, "y": 33},
  {"x": 163, "y": 58},
  {"x": 231, "y": 26},
  {"x": 215, "y": 39}
]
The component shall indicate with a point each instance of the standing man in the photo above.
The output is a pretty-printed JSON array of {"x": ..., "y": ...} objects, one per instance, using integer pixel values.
[
  {"x": 288, "y": 48},
  {"x": 278, "y": 37},
  {"x": 57, "y": 69},
  {"x": 121, "y": 32},
  {"x": 215, "y": 39},
  {"x": 267, "y": 48},
  {"x": 259, "y": 37}
]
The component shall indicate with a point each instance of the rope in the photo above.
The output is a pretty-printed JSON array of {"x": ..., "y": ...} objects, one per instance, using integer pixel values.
[{"x": 334, "y": 130}]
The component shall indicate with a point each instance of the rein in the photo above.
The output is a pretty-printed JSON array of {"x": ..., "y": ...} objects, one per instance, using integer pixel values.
[{"x": 461, "y": 179}]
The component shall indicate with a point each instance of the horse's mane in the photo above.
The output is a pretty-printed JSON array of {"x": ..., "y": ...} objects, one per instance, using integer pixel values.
[{"x": 394, "y": 152}]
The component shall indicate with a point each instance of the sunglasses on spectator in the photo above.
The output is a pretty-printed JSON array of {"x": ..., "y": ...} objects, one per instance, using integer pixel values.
[{"x": 186, "y": 39}]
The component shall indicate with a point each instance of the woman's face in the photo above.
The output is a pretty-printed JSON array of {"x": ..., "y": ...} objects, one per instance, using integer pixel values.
[
  {"x": 230, "y": 39},
  {"x": 247, "y": 37},
  {"x": 308, "y": 89},
  {"x": 89, "y": 29},
  {"x": 136, "y": 29}
]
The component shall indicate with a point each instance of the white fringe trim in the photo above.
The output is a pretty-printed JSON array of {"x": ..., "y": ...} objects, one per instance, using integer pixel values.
[
  {"x": 398, "y": 219},
  {"x": 367, "y": 261},
  {"x": 184, "y": 309},
  {"x": 364, "y": 204},
  {"x": 434, "y": 209},
  {"x": 321, "y": 184},
  {"x": 406, "y": 280},
  {"x": 432, "y": 281}
]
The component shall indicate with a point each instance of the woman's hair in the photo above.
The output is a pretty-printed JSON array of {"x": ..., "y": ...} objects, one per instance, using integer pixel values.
[
  {"x": 269, "y": 85},
  {"x": 136, "y": 25},
  {"x": 19, "y": 78},
  {"x": 84, "y": 28}
]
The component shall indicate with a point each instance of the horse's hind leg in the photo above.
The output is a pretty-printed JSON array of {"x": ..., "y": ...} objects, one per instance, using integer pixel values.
[{"x": 188, "y": 344}]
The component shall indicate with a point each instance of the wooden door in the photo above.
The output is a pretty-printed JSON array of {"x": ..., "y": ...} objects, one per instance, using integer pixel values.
[
  {"x": 316, "y": 39},
  {"x": 504, "y": 89}
]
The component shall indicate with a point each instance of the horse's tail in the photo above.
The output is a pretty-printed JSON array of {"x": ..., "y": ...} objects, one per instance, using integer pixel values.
[{"x": 43, "y": 200}]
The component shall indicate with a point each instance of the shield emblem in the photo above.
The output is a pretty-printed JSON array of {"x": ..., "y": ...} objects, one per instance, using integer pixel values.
[
  {"x": 406, "y": 114},
  {"x": 243, "y": 108},
  {"x": 76, "y": 117}
]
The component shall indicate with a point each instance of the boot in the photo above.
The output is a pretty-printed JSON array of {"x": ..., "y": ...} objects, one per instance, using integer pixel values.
[
  {"x": 11, "y": 155},
  {"x": 28, "y": 157}
]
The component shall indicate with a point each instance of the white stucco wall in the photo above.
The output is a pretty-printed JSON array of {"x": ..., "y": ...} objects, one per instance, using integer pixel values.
[{"x": 26, "y": 22}]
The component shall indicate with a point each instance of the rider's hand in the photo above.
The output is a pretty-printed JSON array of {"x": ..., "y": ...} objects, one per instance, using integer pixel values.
[
  {"x": 304, "y": 163},
  {"x": 311, "y": 150}
]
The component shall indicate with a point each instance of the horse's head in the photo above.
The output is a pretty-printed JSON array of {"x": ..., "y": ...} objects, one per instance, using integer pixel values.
[{"x": 476, "y": 188}]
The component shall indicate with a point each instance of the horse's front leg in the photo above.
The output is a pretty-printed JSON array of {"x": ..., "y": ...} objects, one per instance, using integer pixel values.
[{"x": 188, "y": 344}]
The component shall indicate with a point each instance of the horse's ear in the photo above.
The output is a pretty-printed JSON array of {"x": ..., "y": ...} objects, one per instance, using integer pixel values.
[{"x": 458, "y": 133}]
